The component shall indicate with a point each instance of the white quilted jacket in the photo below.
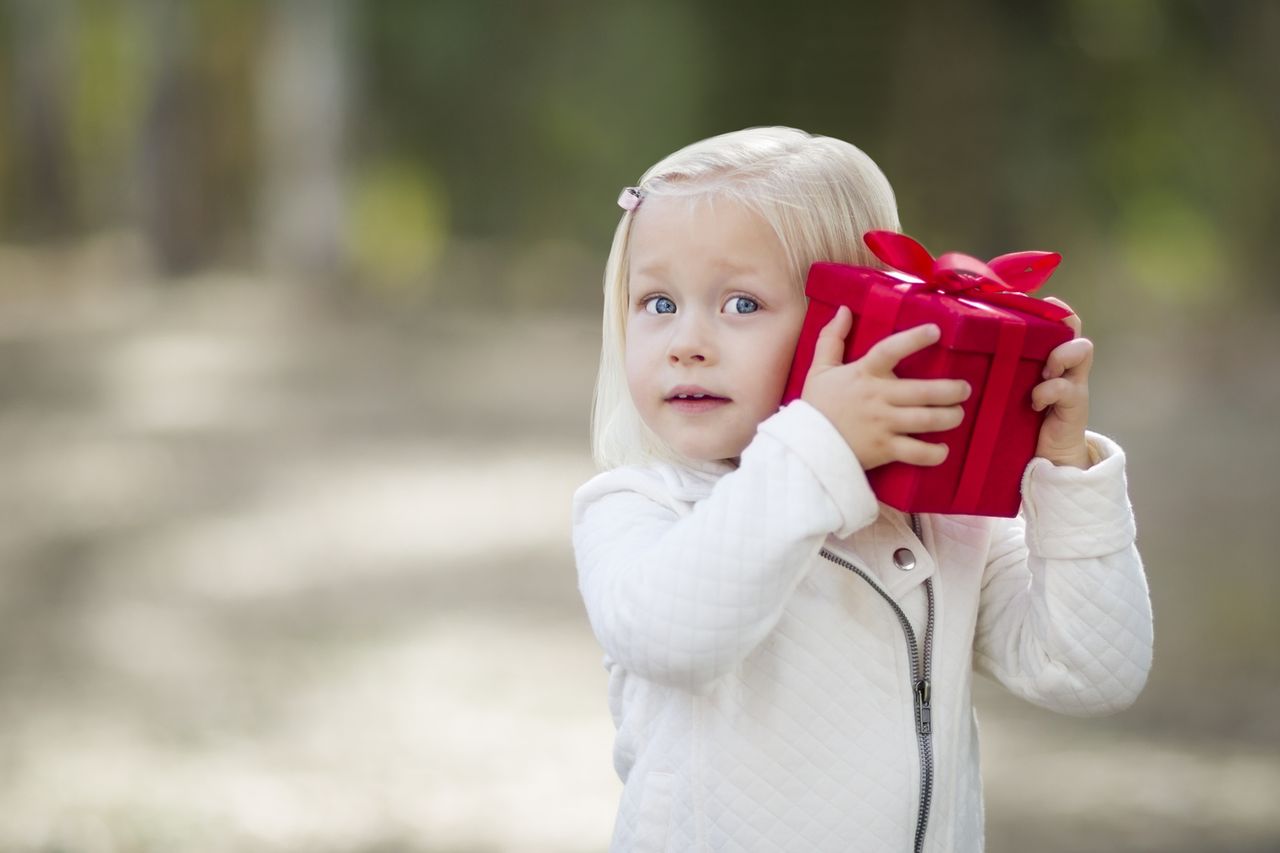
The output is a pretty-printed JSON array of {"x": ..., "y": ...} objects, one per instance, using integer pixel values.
[{"x": 764, "y": 694}]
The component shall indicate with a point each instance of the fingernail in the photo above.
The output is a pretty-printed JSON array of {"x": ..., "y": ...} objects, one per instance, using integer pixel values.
[{"x": 934, "y": 330}]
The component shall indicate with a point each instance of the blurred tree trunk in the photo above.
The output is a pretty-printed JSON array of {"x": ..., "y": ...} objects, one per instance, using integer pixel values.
[
  {"x": 42, "y": 180},
  {"x": 302, "y": 114},
  {"x": 173, "y": 204}
]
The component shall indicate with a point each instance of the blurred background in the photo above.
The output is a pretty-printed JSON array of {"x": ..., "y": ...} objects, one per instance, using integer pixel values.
[{"x": 298, "y": 325}]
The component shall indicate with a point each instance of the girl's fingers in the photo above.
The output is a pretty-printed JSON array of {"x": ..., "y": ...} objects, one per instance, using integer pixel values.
[
  {"x": 885, "y": 355},
  {"x": 828, "y": 351},
  {"x": 1069, "y": 359},
  {"x": 1072, "y": 320},
  {"x": 927, "y": 392},
  {"x": 913, "y": 451},
  {"x": 1060, "y": 392},
  {"x": 923, "y": 419}
]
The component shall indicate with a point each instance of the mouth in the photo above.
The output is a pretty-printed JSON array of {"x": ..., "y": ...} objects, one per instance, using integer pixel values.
[{"x": 691, "y": 400}]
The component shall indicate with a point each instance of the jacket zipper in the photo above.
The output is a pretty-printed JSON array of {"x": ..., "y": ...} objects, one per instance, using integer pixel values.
[{"x": 921, "y": 672}]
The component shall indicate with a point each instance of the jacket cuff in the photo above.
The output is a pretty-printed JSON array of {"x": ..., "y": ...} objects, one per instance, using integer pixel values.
[
  {"x": 807, "y": 434},
  {"x": 1073, "y": 513}
]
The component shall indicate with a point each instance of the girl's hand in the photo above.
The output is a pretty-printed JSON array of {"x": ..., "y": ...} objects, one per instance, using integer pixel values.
[
  {"x": 875, "y": 410},
  {"x": 1065, "y": 393}
]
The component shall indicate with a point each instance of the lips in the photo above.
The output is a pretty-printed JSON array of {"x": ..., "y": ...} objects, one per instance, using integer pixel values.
[{"x": 692, "y": 399}]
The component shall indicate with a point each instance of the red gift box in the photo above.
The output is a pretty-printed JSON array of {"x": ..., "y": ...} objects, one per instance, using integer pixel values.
[{"x": 994, "y": 336}]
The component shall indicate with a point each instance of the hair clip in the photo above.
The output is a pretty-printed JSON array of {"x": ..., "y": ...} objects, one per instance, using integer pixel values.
[{"x": 630, "y": 198}]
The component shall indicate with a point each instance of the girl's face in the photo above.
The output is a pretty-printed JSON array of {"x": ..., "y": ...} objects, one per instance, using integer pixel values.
[{"x": 712, "y": 323}]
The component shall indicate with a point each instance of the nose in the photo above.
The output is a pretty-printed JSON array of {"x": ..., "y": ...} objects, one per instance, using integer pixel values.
[{"x": 691, "y": 341}]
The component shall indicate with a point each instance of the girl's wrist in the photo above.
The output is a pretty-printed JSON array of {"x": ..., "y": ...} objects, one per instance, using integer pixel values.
[{"x": 1083, "y": 456}]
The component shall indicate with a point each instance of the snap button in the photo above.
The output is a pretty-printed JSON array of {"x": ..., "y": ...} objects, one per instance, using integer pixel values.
[{"x": 904, "y": 559}]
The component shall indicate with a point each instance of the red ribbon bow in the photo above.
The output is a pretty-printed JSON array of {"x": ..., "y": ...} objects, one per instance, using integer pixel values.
[{"x": 1005, "y": 280}]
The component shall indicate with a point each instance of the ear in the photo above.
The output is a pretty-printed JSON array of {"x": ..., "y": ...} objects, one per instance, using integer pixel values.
[
  {"x": 900, "y": 252},
  {"x": 1026, "y": 271}
]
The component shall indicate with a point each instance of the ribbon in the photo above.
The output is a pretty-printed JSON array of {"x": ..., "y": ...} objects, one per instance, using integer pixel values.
[
  {"x": 1005, "y": 280},
  {"x": 989, "y": 417}
]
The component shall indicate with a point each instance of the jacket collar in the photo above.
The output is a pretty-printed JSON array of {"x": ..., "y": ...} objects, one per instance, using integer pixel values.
[{"x": 691, "y": 480}]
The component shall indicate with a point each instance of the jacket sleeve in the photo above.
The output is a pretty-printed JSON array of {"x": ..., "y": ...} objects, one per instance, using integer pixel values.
[
  {"x": 1064, "y": 619},
  {"x": 681, "y": 597}
]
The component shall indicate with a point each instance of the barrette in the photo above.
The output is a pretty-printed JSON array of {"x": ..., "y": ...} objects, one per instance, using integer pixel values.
[{"x": 630, "y": 198}]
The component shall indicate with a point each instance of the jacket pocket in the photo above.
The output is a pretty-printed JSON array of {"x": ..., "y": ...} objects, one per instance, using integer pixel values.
[{"x": 654, "y": 818}]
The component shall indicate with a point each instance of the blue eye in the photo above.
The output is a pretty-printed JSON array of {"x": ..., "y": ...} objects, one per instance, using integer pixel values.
[
  {"x": 741, "y": 305},
  {"x": 659, "y": 305}
]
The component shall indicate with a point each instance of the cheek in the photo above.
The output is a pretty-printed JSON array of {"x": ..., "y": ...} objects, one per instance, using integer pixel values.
[
  {"x": 635, "y": 379},
  {"x": 781, "y": 353},
  {"x": 637, "y": 359}
]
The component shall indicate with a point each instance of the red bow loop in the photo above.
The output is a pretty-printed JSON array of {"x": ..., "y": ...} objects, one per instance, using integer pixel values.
[
  {"x": 900, "y": 252},
  {"x": 1026, "y": 271},
  {"x": 1005, "y": 280}
]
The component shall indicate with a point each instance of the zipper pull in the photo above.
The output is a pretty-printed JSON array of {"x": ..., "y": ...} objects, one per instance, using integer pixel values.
[{"x": 924, "y": 716}]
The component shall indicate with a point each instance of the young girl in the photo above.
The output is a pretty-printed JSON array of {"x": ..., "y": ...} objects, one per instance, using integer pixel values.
[{"x": 789, "y": 660}]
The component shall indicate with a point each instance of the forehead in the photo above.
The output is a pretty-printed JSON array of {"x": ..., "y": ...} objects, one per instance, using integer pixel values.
[{"x": 706, "y": 231}]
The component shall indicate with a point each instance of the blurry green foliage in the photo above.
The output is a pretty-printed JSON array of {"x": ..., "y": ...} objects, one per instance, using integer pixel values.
[
  {"x": 398, "y": 223},
  {"x": 1172, "y": 246},
  {"x": 1139, "y": 137},
  {"x": 107, "y": 100}
]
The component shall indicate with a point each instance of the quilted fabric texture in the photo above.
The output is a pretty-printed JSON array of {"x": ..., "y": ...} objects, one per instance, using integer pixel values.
[{"x": 763, "y": 695}]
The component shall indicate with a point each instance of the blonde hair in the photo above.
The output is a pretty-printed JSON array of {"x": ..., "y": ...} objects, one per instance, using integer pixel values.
[{"x": 819, "y": 195}]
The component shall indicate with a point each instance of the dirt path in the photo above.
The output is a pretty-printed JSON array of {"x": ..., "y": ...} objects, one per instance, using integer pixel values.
[{"x": 248, "y": 602}]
